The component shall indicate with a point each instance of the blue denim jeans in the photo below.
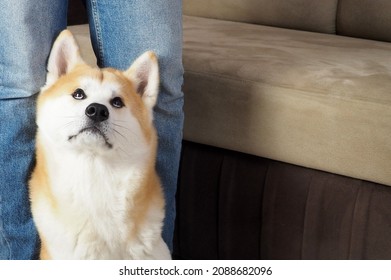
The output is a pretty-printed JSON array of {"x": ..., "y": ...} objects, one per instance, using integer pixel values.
[{"x": 120, "y": 31}]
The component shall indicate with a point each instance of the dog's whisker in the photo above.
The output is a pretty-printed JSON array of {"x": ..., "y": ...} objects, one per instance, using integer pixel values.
[
  {"x": 67, "y": 124},
  {"x": 68, "y": 117},
  {"x": 119, "y": 121},
  {"x": 123, "y": 151},
  {"x": 117, "y": 132},
  {"x": 122, "y": 127},
  {"x": 128, "y": 130}
]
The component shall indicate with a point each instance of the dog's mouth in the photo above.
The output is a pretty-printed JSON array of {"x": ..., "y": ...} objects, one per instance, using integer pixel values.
[{"x": 93, "y": 130}]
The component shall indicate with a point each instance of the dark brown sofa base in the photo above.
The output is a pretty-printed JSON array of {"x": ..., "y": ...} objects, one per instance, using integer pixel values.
[{"x": 237, "y": 206}]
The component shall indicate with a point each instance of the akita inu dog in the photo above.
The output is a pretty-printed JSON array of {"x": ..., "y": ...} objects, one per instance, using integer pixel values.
[{"x": 94, "y": 191}]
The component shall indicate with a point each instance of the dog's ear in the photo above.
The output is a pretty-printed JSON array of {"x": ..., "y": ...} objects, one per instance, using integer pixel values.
[
  {"x": 144, "y": 74},
  {"x": 64, "y": 56}
]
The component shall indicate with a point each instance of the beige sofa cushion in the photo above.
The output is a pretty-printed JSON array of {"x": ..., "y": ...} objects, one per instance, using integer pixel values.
[
  {"x": 310, "y": 15},
  {"x": 316, "y": 100},
  {"x": 82, "y": 35}
]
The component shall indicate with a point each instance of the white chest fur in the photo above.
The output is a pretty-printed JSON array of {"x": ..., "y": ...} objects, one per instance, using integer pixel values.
[{"x": 92, "y": 218}]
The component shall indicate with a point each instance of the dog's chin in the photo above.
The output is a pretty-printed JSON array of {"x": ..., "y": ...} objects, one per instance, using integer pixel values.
[{"x": 91, "y": 138}]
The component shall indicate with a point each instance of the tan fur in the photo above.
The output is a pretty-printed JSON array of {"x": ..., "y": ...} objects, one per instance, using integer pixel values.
[{"x": 143, "y": 200}]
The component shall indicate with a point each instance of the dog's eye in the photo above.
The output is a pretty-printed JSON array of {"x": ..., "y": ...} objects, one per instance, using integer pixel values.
[
  {"x": 117, "y": 102},
  {"x": 79, "y": 94}
]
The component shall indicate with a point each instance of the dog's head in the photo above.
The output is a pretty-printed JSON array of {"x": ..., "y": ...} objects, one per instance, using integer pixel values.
[{"x": 87, "y": 109}]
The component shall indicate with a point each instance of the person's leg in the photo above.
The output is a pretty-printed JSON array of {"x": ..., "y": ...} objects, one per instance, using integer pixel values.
[
  {"x": 27, "y": 32},
  {"x": 121, "y": 31}
]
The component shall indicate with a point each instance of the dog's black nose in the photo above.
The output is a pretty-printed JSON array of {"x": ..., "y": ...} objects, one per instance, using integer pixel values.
[{"x": 97, "y": 112}]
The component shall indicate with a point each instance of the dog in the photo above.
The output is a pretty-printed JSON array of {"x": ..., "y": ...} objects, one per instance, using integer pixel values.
[{"x": 94, "y": 190}]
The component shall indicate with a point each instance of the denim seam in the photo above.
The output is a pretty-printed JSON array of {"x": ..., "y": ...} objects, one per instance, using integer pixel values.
[
  {"x": 98, "y": 31},
  {"x": 1, "y": 76},
  {"x": 2, "y": 230}
]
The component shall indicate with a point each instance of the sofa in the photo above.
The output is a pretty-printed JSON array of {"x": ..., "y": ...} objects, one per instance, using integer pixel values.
[{"x": 287, "y": 134}]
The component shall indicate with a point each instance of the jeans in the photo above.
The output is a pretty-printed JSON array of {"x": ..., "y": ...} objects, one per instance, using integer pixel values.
[{"x": 121, "y": 30}]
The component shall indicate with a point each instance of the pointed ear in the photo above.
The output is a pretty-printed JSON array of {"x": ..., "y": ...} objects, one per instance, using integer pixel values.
[
  {"x": 144, "y": 73},
  {"x": 64, "y": 56}
]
